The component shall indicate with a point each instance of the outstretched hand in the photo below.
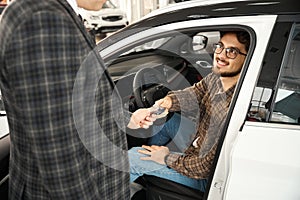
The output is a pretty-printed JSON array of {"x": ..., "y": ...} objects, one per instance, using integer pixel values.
[{"x": 141, "y": 118}]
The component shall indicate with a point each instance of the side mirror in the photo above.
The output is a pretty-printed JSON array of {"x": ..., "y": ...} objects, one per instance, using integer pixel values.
[{"x": 199, "y": 42}]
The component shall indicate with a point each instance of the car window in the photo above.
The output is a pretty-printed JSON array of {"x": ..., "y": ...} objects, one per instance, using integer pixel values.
[
  {"x": 174, "y": 51},
  {"x": 287, "y": 100},
  {"x": 280, "y": 102}
]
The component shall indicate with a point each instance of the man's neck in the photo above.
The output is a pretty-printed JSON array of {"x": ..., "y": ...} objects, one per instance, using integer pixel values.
[{"x": 228, "y": 82}]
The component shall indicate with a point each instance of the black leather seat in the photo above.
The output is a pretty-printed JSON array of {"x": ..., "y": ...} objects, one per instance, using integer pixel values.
[{"x": 156, "y": 188}]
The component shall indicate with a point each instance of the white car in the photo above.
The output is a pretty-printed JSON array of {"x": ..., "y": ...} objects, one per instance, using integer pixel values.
[{"x": 106, "y": 20}]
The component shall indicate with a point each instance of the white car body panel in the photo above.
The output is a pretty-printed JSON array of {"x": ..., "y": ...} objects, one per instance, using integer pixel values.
[{"x": 258, "y": 160}]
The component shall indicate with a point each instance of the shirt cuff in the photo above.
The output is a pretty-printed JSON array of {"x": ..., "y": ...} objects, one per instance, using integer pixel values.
[{"x": 171, "y": 159}]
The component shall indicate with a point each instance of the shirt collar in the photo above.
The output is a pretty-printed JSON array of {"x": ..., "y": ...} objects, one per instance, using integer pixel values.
[{"x": 73, "y": 4}]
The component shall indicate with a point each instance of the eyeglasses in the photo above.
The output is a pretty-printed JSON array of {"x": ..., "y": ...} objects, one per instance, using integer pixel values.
[{"x": 231, "y": 52}]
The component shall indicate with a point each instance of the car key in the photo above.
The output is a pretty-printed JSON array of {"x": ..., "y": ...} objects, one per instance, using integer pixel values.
[{"x": 159, "y": 111}]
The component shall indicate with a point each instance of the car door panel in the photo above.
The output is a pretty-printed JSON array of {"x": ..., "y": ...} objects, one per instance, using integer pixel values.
[{"x": 262, "y": 165}]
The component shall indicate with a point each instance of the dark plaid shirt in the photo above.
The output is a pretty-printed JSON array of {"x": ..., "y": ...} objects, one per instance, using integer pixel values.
[
  {"x": 209, "y": 103},
  {"x": 65, "y": 125}
]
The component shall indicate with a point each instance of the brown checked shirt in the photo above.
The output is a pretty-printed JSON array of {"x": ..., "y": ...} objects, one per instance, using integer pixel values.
[{"x": 210, "y": 104}]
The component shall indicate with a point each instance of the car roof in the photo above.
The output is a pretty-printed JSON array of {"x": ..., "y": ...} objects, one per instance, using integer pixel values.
[{"x": 198, "y": 9}]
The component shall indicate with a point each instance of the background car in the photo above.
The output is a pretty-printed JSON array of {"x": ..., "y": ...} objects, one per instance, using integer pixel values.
[{"x": 106, "y": 20}]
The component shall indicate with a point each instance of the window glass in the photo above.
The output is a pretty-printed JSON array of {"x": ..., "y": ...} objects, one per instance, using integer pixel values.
[
  {"x": 287, "y": 101},
  {"x": 187, "y": 52},
  {"x": 279, "y": 101},
  {"x": 154, "y": 44},
  {"x": 259, "y": 104}
]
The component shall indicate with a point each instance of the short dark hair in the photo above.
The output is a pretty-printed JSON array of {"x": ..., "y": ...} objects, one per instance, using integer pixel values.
[{"x": 242, "y": 36}]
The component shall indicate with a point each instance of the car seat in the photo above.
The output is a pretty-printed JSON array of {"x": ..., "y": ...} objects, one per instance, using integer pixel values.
[{"x": 156, "y": 188}]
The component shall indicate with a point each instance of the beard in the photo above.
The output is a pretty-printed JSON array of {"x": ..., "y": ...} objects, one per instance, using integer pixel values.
[
  {"x": 217, "y": 71},
  {"x": 230, "y": 74}
]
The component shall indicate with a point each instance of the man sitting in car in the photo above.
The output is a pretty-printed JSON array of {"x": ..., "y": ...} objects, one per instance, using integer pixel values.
[{"x": 209, "y": 100}]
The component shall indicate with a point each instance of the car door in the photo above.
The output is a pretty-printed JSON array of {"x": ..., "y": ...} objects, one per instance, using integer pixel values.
[
  {"x": 264, "y": 161},
  {"x": 4, "y": 152}
]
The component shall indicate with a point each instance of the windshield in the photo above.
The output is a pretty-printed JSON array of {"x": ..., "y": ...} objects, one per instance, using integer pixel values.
[{"x": 155, "y": 44}]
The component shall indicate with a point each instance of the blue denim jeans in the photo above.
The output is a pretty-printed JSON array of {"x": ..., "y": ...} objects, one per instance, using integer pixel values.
[
  {"x": 180, "y": 131},
  {"x": 140, "y": 167}
]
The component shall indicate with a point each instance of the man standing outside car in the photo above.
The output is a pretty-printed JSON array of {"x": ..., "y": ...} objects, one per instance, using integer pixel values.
[
  {"x": 47, "y": 60},
  {"x": 209, "y": 100}
]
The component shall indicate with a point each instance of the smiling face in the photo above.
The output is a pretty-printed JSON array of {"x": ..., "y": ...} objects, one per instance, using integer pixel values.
[{"x": 224, "y": 66}]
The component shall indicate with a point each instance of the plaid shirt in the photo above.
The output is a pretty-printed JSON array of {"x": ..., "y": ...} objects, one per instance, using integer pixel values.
[
  {"x": 208, "y": 101},
  {"x": 65, "y": 128}
]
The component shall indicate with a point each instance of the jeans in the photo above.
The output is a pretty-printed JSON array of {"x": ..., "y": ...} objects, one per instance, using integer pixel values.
[
  {"x": 181, "y": 131},
  {"x": 140, "y": 167}
]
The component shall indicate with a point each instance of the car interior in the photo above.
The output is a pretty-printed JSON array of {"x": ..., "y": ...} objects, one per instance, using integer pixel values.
[
  {"x": 174, "y": 56},
  {"x": 145, "y": 72}
]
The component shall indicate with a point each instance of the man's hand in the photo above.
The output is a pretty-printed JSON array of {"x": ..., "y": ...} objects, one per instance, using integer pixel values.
[
  {"x": 141, "y": 118},
  {"x": 156, "y": 153},
  {"x": 166, "y": 102}
]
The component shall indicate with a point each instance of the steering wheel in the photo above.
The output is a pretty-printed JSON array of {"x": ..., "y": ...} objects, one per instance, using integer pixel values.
[{"x": 149, "y": 85}]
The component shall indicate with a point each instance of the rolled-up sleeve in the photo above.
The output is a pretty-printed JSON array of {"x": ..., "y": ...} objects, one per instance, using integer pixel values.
[{"x": 192, "y": 165}]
